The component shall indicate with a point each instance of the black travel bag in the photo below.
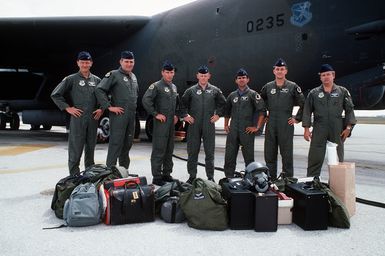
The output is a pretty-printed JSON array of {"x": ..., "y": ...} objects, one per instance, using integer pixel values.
[
  {"x": 240, "y": 206},
  {"x": 266, "y": 212},
  {"x": 311, "y": 207},
  {"x": 132, "y": 203}
]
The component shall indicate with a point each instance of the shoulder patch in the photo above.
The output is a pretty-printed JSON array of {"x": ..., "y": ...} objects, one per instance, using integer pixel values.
[
  {"x": 152, "y": 86},
  {"x": 108, "y": 74},
  {"x": 299, "y": 89},
  {"x": 257, "y": 96}
]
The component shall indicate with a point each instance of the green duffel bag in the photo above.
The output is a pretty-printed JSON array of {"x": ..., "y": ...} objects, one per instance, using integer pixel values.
[
  {"x": 204, "y": 206},
  {"x": 338, "y": 214},
  {"x": 282, "y": 181}
]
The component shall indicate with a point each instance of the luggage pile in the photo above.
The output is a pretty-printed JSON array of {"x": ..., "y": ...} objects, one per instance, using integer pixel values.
[{"x": 250, "y": 201}]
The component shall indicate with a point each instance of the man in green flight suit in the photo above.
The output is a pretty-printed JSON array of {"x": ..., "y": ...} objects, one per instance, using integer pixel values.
[
  {"x": 327, "y": 102},
  {"x": 161, "y": 100},
  {"x": 76, "y": 95},
  {"x": 280, "y": 96},
  {"x": 122, "y": 86},
  {"x": 241, "y": 106},
  {"x": 203, "y": 104}
]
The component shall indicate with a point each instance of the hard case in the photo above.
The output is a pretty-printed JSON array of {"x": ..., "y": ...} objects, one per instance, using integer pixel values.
[
  {"x": 240, "y": 207},
  {"x": 311, "y": 206},
  {"x": 131, "y": 204},
  {"x": 266, "y": 212},
  {"x": 285, "y": 208}
]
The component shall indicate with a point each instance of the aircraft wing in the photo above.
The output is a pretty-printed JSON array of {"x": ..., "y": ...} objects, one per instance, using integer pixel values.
[{"x": 38, "y": 43}]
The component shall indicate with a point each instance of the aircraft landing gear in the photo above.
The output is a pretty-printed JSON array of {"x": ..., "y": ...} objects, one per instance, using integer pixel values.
[
  {"x": 180, "y": 129},
  {"x": 8, "y": 116},
  {"x": 103, "y": 133}
]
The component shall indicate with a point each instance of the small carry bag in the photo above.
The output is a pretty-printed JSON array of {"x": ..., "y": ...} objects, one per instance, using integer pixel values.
[
  {"x": 170, "y": 189},
  {"x": 132, "y": 203},
  {"x": 83, "y": 208},
  {"x": 171, "y": 211}
]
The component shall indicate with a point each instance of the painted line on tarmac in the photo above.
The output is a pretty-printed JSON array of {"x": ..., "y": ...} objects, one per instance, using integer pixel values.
[
  {"x": 51, "y": 167},
  {"x": 17, "y": 150},
  {"x": 33, "y": 169}
]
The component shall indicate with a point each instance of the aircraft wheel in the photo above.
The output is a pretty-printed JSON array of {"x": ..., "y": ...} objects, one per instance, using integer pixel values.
[
  {"x": 3, "y": 121},
  {"x": 104, "y": 129},
  {"x": 35, "y": 127},
  {"x": 47, "y": 127},
  {"x": 185, "y": 128},
  {"x": 149, "y": 127},
  {"x": 137, "y": 128},
  {"x": 15, "y": 121}
]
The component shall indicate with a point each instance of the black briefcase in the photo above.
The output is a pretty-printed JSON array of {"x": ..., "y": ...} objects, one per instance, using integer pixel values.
[
  {"x": 132, "y": 203},
  {"x": 311, "y": 207},
  {"x": 266, "y": 212},
  {"x": 240, "y": 207}
]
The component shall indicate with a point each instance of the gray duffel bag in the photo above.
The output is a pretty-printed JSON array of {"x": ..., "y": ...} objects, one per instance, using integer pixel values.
[{"x": 171, "y": 211}]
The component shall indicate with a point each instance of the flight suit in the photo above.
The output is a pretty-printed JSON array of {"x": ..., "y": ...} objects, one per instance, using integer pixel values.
[
  {"x": 123, "y": 90},
  {"x": 78, "y": 91},
  {"x": 241, "y": 108},
  {"x": 279, "y": 101},
  {"x": 328, "y": 123},
  {"x": 161, "y": 98},
  {"x": 202, "y": 105}
]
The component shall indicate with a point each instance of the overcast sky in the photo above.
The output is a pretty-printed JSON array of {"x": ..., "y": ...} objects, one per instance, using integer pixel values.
[{"x": 33, "y": 8}]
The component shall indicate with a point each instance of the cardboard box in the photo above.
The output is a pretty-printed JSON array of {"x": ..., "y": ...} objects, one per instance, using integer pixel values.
[{"x": 342, "y": 182}]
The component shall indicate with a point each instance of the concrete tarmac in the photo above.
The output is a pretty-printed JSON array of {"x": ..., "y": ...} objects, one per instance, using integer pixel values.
[{"x": 31, "y": 162}]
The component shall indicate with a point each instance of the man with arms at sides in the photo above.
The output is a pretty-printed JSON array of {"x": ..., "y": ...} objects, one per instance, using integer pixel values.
[
  {"x": 327, "y": 102},
  {"x": 203, "y": 104},
  {"x": 161, "y": 101},
  {"x": 280, "y": 96}
]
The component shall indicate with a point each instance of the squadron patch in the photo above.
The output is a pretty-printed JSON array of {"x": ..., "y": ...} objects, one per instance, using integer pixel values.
[
  {"x": 82, "y": 83},
  {"x": 199, "y": 92},
  {"x": 299, "y": 89},
  {"x": 301, "y": 14},
  {"x": 235, "y": 100},
  {"x": 125, "y": 79},
  {"x": 152, "y": 86},
  {"x": 273, "y": 91},
  {"x": 108, "y": 74},
  {"x": 321, "y": 95},
  {"x": 257, "y": 96},
  {"x": 166, "y": 89}
]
